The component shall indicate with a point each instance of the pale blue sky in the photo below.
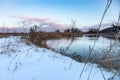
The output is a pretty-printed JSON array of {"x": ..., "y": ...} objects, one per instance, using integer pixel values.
[{"x": 85, "y": 12}]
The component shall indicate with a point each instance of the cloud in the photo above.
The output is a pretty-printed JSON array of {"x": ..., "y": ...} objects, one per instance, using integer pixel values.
[
  {"x": 59, "y": 26},
  {"x": 55, "y": 25},
  {"x": 31, "y": 20},
  {"x": 48, "y": 25}
]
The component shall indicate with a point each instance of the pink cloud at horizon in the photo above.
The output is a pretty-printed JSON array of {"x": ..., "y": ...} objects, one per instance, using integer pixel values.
[
  {"x": 45, "y": 21},
  {"x": 30, "y": 19}
]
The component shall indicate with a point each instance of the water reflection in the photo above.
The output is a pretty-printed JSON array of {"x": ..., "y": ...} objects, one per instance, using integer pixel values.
[{"x": 81, "y": 45}]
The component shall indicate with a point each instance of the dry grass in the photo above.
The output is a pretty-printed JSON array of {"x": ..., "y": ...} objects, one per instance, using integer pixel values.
[
  {"x": 2, "y": 35},
  {"x": 39, "y": 39}
]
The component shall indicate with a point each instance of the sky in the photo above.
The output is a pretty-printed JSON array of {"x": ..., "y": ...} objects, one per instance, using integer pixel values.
[{"x": 84, "y": 12}]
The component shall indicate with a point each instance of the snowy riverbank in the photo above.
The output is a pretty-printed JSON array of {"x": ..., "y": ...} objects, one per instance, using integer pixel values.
[{"x": 19, "y": 61}]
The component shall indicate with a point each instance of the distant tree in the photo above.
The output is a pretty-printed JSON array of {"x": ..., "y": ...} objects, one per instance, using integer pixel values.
[
  {"x": 92, "y": 31},
  {"x": 116, "y": 26},
  {"x": 73, "y": 30},
  {"x": 67, "y": 30},
  {"x": 57, "y": 30},
  {"x": 33, "y": 32}
]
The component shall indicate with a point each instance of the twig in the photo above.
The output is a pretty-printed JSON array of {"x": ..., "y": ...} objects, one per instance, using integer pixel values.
[
  {"x": 89, "y": 53},
  {"x": 102, "y": 74}
]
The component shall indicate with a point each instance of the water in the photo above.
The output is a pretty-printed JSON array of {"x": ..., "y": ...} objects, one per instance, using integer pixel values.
[{"x": 81, "y": 45}]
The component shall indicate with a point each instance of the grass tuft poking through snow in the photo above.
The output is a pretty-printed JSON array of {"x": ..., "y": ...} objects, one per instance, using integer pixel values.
[{"x": 19, "y": 61}]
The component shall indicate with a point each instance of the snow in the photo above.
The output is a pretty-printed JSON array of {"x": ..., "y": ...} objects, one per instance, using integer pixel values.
[{"x": 19, "y": 61}]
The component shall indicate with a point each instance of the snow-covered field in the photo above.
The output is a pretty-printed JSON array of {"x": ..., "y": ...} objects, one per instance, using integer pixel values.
[{"x": 19, "y": 61}]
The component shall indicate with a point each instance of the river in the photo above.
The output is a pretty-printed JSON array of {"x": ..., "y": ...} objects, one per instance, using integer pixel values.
[{"x": 82, "y": 45}]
